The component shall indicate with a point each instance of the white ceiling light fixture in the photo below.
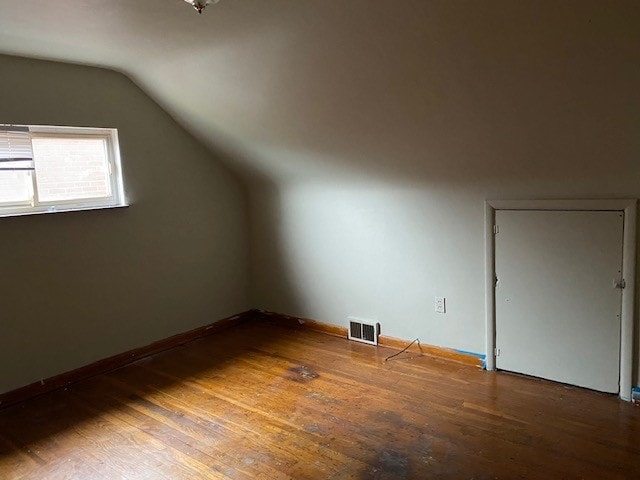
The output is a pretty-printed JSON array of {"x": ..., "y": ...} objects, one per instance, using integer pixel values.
[{"x": 200, "y": 5}]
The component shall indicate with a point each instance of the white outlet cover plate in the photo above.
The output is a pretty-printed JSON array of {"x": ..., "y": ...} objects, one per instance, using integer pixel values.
[{"x": 440, "y": 305}]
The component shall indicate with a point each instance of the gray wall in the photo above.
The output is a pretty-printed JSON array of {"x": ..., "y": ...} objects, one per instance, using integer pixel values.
[
  {"x": 78, "y": 287},
  {"x": 404, "y": 135}
]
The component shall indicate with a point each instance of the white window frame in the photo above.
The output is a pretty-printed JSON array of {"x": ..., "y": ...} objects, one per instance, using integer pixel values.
[{"x": 115, "y": 200}]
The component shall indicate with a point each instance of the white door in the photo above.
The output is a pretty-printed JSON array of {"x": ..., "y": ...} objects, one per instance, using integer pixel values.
[{"x": 557, "y": 302}]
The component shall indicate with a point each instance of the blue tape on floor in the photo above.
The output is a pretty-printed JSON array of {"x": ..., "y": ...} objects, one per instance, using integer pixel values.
[{"x": 481, "y": 356}]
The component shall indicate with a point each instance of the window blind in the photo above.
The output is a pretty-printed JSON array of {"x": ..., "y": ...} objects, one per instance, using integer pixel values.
[{"x": 15, "y": 148}]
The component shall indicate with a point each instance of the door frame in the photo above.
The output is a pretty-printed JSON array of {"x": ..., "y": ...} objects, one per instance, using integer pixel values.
[{"x": 628, "y": 206}]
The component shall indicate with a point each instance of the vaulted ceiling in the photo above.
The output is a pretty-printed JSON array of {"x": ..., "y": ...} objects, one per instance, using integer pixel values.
[{"x": 290, "y": 89}]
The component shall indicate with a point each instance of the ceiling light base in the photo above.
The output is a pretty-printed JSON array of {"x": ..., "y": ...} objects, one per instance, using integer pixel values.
[{"x": 200, "y": 5}]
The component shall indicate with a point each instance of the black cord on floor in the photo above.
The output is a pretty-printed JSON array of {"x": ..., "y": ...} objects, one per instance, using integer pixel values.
[{"x": 403, "y": 350}]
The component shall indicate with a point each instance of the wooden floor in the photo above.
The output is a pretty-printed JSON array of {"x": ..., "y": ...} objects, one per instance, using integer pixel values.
[{"x": 261, "y": 401}]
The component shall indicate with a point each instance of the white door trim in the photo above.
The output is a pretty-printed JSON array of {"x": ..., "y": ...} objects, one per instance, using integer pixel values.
[{"x": 628, "y": 206}]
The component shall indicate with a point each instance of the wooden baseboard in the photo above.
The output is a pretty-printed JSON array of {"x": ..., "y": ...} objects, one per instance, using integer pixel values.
[
  {"x": 118, "y": 361},
  {"x": 299, "y": 322},
  {"x": 383, "y": 340}
]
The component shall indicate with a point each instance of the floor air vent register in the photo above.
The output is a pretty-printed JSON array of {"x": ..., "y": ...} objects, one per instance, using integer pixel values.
[{"x": 364, "y": 331}]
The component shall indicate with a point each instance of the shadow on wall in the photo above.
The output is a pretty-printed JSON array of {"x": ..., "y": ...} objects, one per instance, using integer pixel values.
[
  {"x": 271, "y": 259},
  {"x": 427, "y": 90}
]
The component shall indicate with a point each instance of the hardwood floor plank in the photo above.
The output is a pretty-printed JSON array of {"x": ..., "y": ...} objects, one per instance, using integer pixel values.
[
  {"x": 255, "y": 424},
  {"x": 267, "y": 402},
  {"x": 196, "y": 437},
  {"x": 230, "y": 416},
  {"x": 14, "y": 459}
]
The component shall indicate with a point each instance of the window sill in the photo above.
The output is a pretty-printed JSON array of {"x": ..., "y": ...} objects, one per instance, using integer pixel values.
[{"x": 60, "y": 209}]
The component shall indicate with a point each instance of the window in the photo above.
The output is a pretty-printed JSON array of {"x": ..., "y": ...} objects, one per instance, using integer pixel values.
[{"x": 53, "y": 169}]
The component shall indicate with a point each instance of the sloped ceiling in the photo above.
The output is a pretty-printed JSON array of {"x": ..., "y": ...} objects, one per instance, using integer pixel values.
[{"x": 291, "y": 89}]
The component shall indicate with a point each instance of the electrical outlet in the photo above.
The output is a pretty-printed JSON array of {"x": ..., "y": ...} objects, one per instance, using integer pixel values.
[{"x": 441, "y": 305}]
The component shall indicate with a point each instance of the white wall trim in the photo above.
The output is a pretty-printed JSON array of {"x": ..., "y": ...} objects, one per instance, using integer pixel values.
[{"x": 628, "y": 206}]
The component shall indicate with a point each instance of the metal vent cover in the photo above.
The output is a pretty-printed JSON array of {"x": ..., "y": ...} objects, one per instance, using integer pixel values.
[{"x": 362, "y": 330}]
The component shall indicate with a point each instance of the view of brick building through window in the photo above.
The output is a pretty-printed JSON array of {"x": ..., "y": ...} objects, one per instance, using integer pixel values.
[{"x": 70, "y": 168}]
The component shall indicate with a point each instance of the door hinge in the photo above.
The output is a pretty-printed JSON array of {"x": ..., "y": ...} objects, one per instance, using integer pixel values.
[
  {"x": 619, "y": 283},
  {"x": 496, "y": 229},
  {"x": 496, "y": 352}
]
